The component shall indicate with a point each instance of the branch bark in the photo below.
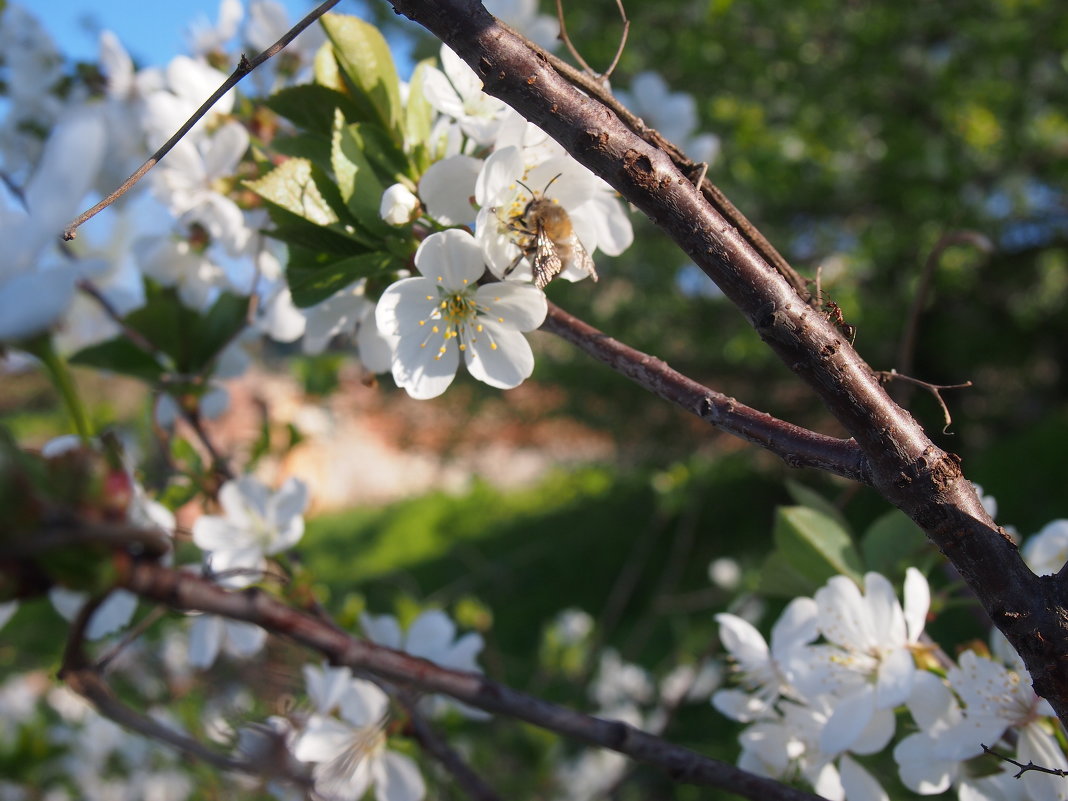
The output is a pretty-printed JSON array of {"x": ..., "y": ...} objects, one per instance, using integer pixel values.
[
  {"x": 186, "y": 592},
  {"x": 907, "y": 468}
]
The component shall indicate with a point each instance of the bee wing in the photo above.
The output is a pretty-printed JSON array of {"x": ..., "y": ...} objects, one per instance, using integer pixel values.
[
  {"x": 580, "y": 258},
  {"x": 545, "y": 261}
]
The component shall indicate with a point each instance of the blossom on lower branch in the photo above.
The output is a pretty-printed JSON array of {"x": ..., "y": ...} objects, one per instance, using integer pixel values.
[{"x": 445, "y": 312}]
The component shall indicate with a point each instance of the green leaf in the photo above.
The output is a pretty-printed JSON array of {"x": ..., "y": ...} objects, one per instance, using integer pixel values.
[
  {"x": 313, "y": 279},
  {"x": 311, "y": 106},
  {"x": 314, "y": 147},
  {"x": 810, "y": 547},
  {"x": 213, "y": 332},
  {"x": 387, "y": 158},
  {"x": 418, "y": 117},
  {"x": 337, "y": 239},
  {"x": 890, "y": 543},
  {"x": 360, "y": 187},
  {"x": 806, "y": 496},
  {"x": 121, "y": 356},
  {"x": 366, "y": 63},
  {"x": 295, "y": 186}
]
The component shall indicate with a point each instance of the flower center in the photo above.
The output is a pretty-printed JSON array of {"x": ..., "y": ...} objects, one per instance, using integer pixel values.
[{"x": 455, "y": 315}]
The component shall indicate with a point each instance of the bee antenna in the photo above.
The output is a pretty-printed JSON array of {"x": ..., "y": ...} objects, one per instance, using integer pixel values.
[
  {"x": 531, "y": 191},
  {"x": 551, "y": 182}
]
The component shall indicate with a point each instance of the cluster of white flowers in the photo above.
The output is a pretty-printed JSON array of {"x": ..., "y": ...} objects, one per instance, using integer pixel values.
[{"x": 841, "y": 668}]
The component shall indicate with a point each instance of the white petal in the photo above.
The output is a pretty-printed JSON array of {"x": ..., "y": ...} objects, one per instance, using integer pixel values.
[
  {"x": 740, "y": 706},
  {"x": 448, "y": 187},
  {"x": 876, "y": 735},
  {"x": 440, "y": 93},
  {"x": 887, "y": 618},
  {"x": 742, "y": 640},
  {"x": 797, "y": 625},
  {"x": 517, "y": 305},
  {"x": 921, "y": 771},
  {"x": 858, "y": 783},
  {"x": 452, "y": 259},
  {"x": 382, "y": 629},
  {"x": 850, "y": 717},
  {"x": 424, "y": 371},
  {"x": 322, "y": 739},
  {"x": 931, "y": 702},
  {"x": 505, "y": 366},
  {"x": 463, "y": 655},
  {"x": 917, "y": 602},
  {"x": 400, "y": 779},
  {"x": 1037, "y": 746},
  {"x": 113, "y": 614},
  {"x": 244, "y": 639},
  {"x": 212, "y": 533},
  {"x": 205, "y": 638},
  {"x": 326, "y": 685},
  {"x": 894, "y": 682},
  {"x": 6, "y": 611},
  {"x": 843, "y": 614},
  {"x": 430, "y": 635},
  {"x": 32, "y": 302},
  {"x": 498, "y": 176},
  {"x": 363, "y": 703}
]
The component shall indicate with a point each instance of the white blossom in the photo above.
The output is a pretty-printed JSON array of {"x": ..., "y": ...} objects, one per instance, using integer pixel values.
[
  {"x": 350, "y": 752},
  {"x": 399, "y": 205},
  {"x": 1047, "y": 551},
  {"x": 256, "y": 523},
  {"x": 445, "y": 312},
  {"x": 457, "y": 93}
]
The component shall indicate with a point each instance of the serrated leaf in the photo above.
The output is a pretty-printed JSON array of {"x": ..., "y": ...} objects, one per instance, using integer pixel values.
[
  {"x": 805, "y": 496},
  {"x": 326, "y": 71},
  {"x": 367, "y": 65},
  {"x": 312, "y": 279},
  {"x": 337, "y": 239},
  {"x": 890, "y": 542},
  {"x": 120, "y": 356},
  {"x": 311, "y": 106},
  {"x": 292, "y": 185},
  {"x": 814, "y": 547}
]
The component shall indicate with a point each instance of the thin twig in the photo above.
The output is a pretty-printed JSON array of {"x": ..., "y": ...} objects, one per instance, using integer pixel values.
[
  {"x": 434, "y": 744},
  {"x": 1022, "y": 767},
  {"x": 77, "y": 672},
  {"x": 797, "y": 446},
  {"x": 132, "y": 334},
  {"x": 244, "y": 67},
  {"x": 567, "y": 41},
  {"x": 622, "y": 42},
  {"x": 886, "y": 376}
]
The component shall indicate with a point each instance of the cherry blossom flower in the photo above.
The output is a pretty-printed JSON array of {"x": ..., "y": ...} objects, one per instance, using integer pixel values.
[
  {"x": 674, "y": 114},
  {"x": 524, "y": 17},
  {"x": 399, "y": 205},
  {"x": 437, "y": 317},
  {"x": 597, "y": 217},
  {"x": 456, "y": 91},
  {"x": 256, "y": 523},
  {"x": 766, "y": 674},
  {"x": 431, "y": 636},
  {"x": 210, "y": 633},
  {"x": 447, "y": 187},
  {"x": 350, "y": 753},
  {"x": 868, "y": 660},
  {"x": 36, "y": 284},
  {"x": 349, "y": 312}
]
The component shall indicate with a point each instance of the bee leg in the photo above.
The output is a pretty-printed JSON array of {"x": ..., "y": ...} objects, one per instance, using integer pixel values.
[{"x": 511, "y": 267}]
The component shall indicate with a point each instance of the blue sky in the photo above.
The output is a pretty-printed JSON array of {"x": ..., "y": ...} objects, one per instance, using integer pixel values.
[{"x": 152, "y": 30}]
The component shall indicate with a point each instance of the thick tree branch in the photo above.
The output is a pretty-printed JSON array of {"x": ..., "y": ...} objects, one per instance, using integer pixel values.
[
  {"x": 796, "y": 446},
  {"x": 907, "y": 468},
  {"x": 185, "y": 592}
]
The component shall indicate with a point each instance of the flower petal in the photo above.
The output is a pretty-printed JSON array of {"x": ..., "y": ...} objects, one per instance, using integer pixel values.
[
  {"x": 859, "y": 785},
  {"x": 518, "y": 306},
  {"x": 399, "y": 779},
  {"x": 501, "y": 357},
  {"x": 450, "y": 258},
  {"x": 205, "y": 638}
]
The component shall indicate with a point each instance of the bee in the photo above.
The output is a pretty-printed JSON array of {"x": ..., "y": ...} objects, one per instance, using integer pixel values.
[{"x": 551, "y": 244}]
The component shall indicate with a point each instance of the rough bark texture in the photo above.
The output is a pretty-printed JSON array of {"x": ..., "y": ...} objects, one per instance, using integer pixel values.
[{"x": 906, "y": 467}]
